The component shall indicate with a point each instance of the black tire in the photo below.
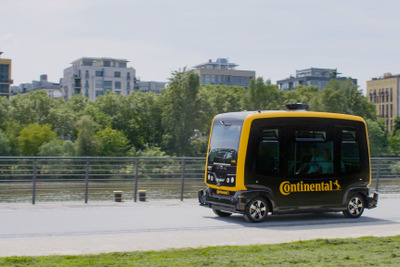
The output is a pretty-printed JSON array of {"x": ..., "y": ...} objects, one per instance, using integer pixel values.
[
  {"x": 354, "y": 207},
  {"x": 222, "y": 213},
  {"x": 256, "y": 210}
]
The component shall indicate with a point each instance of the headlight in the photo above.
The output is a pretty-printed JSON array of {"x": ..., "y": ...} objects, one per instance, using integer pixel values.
[{"x": 232, "y": 179}]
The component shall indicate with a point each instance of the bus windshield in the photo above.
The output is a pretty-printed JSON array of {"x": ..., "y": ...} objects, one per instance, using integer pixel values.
[{"x": 224, "y": 143}]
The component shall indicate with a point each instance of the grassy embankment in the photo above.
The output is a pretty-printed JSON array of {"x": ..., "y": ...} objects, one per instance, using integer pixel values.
[{"x": 367, "y": 251}]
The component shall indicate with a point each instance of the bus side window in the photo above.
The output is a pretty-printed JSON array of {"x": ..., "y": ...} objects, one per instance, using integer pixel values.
[
  {"x": 310, "y": 153},
  {"x": 350, "y": 152},
  {"x": 268, "y": 152}
]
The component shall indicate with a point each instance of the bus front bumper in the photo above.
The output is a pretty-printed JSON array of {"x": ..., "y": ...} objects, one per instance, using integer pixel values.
[{"x": 219, "y": 202}]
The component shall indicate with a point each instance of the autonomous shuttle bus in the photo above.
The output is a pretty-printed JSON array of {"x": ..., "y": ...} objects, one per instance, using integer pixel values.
[{"x": 290, "y": 161}]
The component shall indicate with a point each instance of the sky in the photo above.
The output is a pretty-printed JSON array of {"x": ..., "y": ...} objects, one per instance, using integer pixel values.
[{"x": 361, "y": 38}]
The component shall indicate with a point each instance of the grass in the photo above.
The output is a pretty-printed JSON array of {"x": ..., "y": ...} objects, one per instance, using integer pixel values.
[{"x": 366, "y": 251}]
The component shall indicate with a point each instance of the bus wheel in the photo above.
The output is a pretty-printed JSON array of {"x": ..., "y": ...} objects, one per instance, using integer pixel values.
[
  {"x": 256, "y": 210},
  {"x": 222, "y": 213},
  {"x": 355, "y": 206}
]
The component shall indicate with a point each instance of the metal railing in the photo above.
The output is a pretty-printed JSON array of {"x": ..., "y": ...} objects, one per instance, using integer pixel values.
[
  {"x": 33, "y": 179},
  {"x": 95, "y": 178},
  {"x": 386, "y": 174}
]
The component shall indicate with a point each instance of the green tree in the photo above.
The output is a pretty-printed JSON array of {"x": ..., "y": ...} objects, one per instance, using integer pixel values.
[
  {"x": 5, "y": 148},
  {"x": 134, "y": 115},
  {"x": 87, "y": 143},
  {"x": 33, "y": 136},
  {"x": 12, "y": 130},
  {"x": 113, "y": 142},
  {"x": 148, "y": 151},
  {"x": 377, "y": 137},
  {"x": 32, "y": 108},
  {"x": 217, "y": 99},
  {"x": 396, "y": 126},
  {"x": 344, "y": 97},
  {"x": 64, "y": 114},
  {"x": 68, "y": 148},
  {"x": 261, "y": 95},
  {"x": 394, "y": 145},
  {"x": 302, "y": 94},
  {"x": 4, "y": 111},
  {"x": 52, "y": 148},
  {"x": 180, "y": 116}
]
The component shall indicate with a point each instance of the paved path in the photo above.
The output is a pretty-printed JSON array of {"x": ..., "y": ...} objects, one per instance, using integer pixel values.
[{"x": 77, "y": 228}]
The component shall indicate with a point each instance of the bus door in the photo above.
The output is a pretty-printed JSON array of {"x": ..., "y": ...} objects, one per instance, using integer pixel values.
[
  {"x": 264, "y": 159},
  {"x": 310, "y": 179}
]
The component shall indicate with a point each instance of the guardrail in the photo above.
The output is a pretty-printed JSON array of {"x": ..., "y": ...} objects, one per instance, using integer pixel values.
[
  {"x": 386, "y": 174},
  {"x": 24, "y": 179},
  {"x": 95, "y": 178}
]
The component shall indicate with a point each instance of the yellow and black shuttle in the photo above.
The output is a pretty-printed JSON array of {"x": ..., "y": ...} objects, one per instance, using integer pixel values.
[{"x": 286, "y": 162}]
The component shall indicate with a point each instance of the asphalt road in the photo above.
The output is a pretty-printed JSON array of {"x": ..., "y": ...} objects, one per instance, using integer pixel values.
[{"x": 77, "y": 228}]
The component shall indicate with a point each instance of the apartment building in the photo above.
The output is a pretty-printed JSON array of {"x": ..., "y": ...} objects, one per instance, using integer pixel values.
[
  {"x": 5, "y": 76},
  {"x": 223, "y": 72},
  {"x": 312, "y": 76},
  {"x": 52, "y": 89},
  {"x": 383, "y": 92},
  {"x": 92, "y": 76},
  {"x": 151, "y": 86}
]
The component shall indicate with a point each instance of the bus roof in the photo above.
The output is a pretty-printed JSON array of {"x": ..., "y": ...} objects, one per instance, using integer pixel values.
[{"x": 241, "y": 116}]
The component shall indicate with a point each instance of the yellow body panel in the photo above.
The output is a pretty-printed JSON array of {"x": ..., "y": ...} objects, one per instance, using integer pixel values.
[{"x": 244, "y": 139}]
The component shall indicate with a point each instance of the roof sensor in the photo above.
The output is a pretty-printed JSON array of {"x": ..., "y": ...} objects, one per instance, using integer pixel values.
[{"x": 297, "y": 106}]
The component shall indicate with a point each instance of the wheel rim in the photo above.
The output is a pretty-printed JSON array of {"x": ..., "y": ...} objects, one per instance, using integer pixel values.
[
  {"x": 258, "y": 210},
  {"x": 355, "y": 206}
]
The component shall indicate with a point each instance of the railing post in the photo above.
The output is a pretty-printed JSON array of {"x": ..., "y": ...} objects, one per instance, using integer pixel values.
[
  {"x": 136, "y": 179},
  {"x": 34, "y": 182},
  {"x": 87, "y": 182},
  {"x": 378, "y": 173},
  {"x": 183, "y": 177}
]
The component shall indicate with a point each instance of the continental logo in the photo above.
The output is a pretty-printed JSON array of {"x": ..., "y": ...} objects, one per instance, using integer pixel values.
[
  {"x": 222, "y": 192},
  {"x": 287, "y": 188}
]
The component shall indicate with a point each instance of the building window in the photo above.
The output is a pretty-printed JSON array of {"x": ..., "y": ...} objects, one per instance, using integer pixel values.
[
  {"x": 99, "y": 73},
  {"x": 99, "y": 83},
  {"x": 108, "y": 85},
  {"x": 128, "y": 75},
  {"x": 122, "y": 64},
  {"x": 117, "y": 74},
  {"x": 391, "y": 110},
  {"x": 387, "y": 94},
  {"x": 86, "y": 84},
  {"x": 391, "y": 94},
  {"x": 86, "y": 74},
  {"x": 4, "y": 71},
  {"x": 387, "y": 111},
  {"x": 87, "y": 63},
  {"x": 99, "y": 92},
  {"x": 117, "y": 85},
  {"x": 107, "y": 63}
]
